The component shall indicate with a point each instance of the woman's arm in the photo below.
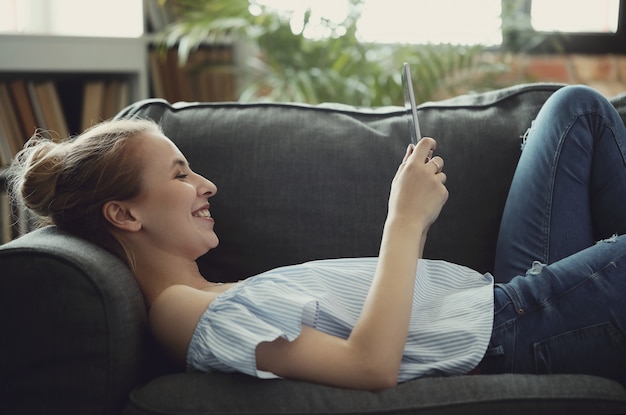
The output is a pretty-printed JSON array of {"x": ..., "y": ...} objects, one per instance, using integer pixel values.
[{"x": 370, "y": 357}]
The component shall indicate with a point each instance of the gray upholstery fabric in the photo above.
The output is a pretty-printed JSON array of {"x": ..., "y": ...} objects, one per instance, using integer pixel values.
[
  {"x": 296, "y": 182},
  {"x": 74, "y": 327},
  {"x": 512, "y": 394}
]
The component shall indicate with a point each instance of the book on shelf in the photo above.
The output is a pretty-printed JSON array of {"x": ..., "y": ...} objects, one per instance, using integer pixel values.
[
  {"x": 102, "y": 100},
  {"x": 112, "y": 99},
  {"x": 24, "y": 108},
  {"x": 123, "y": 96},
  {"x": 51, "y": 109},
  {"x": 5, "y": 218},
  {"x": 93, "y": 101},
  {"x": 6, "y": 153},
  {"x": 12, "y": 130},
  {"x": 22, "y": 102},
  {"x": 29, "y": 105},
  {"x": 34, "y": 101}
]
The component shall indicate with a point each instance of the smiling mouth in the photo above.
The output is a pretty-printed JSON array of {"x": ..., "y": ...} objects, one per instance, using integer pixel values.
[{"x": 203, "y": 213}]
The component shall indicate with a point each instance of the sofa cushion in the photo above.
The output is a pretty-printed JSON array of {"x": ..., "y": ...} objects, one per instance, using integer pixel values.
[
  {"x": 196, "y": 393},
  {"x": 299, "y": 182}
]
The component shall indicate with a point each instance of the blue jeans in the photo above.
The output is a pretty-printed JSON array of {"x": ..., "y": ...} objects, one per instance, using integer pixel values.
[{"x": 560, "y": 300}]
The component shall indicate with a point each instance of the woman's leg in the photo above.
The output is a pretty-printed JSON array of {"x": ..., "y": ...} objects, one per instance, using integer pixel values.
[
  {"x": 569, "y": 189},
  {"x": 566, "y": 317}
]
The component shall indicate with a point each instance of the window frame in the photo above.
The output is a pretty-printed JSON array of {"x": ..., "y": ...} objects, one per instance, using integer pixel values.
[{"x": 555, "y": 42}]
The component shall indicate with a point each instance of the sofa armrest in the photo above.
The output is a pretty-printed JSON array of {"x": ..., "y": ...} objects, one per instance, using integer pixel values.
[{"x": 74, "y": 327}]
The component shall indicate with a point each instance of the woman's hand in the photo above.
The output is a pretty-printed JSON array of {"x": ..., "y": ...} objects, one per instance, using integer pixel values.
[{"x": 418, "y": 190}]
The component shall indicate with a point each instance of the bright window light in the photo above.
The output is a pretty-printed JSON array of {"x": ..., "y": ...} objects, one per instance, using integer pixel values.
[
  {"x": 111, "y": 18},
  {"x": 427, "y": 21},
  {"x": 449, "y": 21},
  {"x": 8, "y": 16},
  {"x": 586, "y": 16},
  {"x": 402, "y": 21}
]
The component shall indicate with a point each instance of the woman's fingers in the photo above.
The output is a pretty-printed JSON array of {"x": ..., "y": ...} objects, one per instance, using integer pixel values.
[
  {"x": 425, "y": 148},
  {"x": 438, "y": 163},
  {"x": 418, "y": 192}
]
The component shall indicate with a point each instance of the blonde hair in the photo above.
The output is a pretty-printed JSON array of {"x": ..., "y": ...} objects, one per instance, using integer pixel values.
[{"x": 67, "y": 183}]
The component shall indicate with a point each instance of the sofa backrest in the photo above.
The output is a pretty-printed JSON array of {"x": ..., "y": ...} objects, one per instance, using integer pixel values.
[{"x": 299, "y": 182}]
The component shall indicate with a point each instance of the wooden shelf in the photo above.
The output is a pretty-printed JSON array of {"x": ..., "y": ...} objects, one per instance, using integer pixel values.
[{"x": 58, "y": 55}]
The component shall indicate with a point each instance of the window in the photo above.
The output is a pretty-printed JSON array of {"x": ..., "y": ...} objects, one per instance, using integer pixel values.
[
  {"x": 575, "y": 25},
  {"x": 403, "y": 21},
  {"x": 590, "y": 26},
  {"x": 427, "y": 21},
  {"x": 111, "y": 18},
  {"x": 599, "y": 16}
]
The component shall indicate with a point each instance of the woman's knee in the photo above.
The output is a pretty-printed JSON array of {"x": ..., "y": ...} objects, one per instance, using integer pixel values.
[{"x": 579, "y": 98}]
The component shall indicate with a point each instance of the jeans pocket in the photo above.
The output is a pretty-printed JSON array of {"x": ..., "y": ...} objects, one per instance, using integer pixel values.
[{"x": 595, "y": 350}]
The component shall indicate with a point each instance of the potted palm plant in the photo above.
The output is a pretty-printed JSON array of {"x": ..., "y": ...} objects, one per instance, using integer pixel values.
[{"x": 285, "y": 65}]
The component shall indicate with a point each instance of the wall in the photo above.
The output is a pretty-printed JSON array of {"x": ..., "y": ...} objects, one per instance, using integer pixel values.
[{"x": 606, "y": 73}]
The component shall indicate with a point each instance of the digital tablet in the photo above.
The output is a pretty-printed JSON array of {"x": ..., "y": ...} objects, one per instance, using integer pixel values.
[{"x": 409, "y": 103}]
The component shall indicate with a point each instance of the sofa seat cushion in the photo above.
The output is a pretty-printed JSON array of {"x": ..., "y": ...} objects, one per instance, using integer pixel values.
[{"x": 212, "y": 393}]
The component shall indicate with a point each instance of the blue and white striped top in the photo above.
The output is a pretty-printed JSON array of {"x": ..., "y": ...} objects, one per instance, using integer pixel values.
[{"x": 449, "y": 331}]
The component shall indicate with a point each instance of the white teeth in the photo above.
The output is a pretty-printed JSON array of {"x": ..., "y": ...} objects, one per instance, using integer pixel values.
[{"x": 203, "y": 213}]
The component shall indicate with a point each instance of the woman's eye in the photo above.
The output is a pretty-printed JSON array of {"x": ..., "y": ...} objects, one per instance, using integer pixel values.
[{"x": 182, "y": 176}]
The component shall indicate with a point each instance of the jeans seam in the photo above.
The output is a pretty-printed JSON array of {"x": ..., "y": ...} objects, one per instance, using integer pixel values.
[
  {"x": 516, "y": 299},
  {"x": 553, "y": 171},
  {"x": 559, "y": 148},
  {"x": 610, "y": 125},
  {"x": 595, "y": 275}
]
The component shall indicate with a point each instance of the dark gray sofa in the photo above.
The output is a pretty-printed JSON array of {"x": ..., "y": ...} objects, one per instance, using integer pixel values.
[{"x": 296, "y": 183}]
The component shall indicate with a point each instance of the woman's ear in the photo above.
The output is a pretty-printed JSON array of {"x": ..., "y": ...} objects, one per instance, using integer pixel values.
[{"x": 120, "y": 216}]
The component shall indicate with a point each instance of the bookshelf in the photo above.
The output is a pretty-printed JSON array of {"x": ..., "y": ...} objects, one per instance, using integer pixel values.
[
  {"x": 66, "y": 83},
  {"x": 54, "y": 55},
  {"x": 70, "y": 62}
]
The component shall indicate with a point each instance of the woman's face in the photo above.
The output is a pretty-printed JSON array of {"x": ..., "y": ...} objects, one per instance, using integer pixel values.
[{"x": 173, "y": 206}]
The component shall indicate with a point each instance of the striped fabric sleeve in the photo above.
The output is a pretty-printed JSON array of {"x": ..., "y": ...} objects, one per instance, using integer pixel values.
[{"x": 229, "y": 331}]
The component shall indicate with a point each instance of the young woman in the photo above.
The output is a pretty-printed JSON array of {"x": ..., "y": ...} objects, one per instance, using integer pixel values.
[{"x": 371, "y": 322}]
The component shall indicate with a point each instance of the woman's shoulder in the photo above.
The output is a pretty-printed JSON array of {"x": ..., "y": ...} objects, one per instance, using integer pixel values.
[{"x": 173, "y": 317}]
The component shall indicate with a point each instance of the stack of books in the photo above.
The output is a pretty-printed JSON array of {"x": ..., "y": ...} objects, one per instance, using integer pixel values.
[{"x": 28, "y": 106}]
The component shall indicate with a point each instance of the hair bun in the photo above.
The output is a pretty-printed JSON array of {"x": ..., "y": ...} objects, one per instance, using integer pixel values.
[{"x": 40, "y": 164}]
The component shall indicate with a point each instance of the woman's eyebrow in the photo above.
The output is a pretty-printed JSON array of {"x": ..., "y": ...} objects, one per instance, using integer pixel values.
[{"x": 179, "y": 163}]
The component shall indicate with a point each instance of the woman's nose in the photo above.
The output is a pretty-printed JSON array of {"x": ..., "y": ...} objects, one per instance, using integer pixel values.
[{"x": 207, "y": 188}]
